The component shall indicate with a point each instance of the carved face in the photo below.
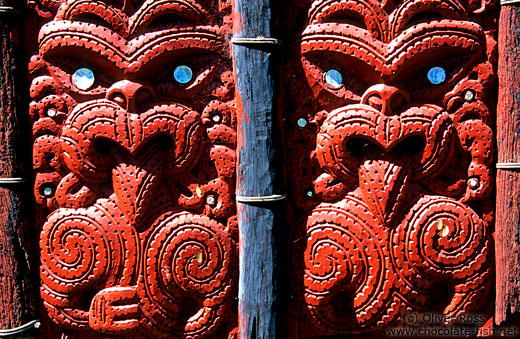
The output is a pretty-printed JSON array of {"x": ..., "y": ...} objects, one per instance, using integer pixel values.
[
  {"x": 134, "y": 150},
  {"x": 393, "y": 153}
]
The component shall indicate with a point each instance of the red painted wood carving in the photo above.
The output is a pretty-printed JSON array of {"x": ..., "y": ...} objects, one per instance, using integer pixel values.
[
  {"x": 134, "y": 157},
  {"x": 390, "y": 148}
]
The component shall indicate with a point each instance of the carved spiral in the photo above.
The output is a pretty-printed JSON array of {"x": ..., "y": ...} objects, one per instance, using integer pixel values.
[
  {"x": 74, "y": 257},
  {"x": 74, "y": 251},
  {"x": 440, "y": 237},
  {"x": 442, "y": 240},
  {"x": 187, "y": 274},
  {"x": 84, "y": 250},
  {"x": 346, "y": 276}
]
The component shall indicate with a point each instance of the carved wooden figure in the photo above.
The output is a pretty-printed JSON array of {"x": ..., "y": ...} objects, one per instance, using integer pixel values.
[
  {"x": 134, "y": 157},
  {"x": 390, "y": 148},
  {"x": 389, "y": 145}
]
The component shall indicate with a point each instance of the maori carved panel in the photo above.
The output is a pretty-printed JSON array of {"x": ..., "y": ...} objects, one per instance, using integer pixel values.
[
  {"x": 133, "y": 122},
  {"x": 390, "y": 144}
]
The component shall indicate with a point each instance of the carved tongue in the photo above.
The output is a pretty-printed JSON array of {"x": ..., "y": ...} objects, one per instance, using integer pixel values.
[
  {"x": 384, "y": 184},
  {"x": 135, "y": 181}
]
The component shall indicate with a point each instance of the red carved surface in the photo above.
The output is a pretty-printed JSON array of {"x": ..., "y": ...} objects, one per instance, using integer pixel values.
[
  {"x": 390, "y": 165},
  {"x": 389, "y": 150},
  {"x": 135, "y": 170}
]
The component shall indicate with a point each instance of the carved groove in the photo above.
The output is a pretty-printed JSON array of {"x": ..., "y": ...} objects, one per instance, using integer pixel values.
[{"x": 135, "y": 167}]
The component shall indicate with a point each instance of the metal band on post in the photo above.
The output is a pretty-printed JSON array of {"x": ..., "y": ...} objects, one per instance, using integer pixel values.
[
  {"x": 267, "y": 198},
  {"x": 9, "y": 10},
  {"x": 20, "y": 329},
  {"x": 508, "y": 165},
  {"x": 508, "y": 2},
  {"x": 12, "y": 181},
  {"x": 17, "y": 303},
  {"x": 507, "y": 216},
  {"x": 256, "y": 58},
  {"x": 256, "y": 41}
]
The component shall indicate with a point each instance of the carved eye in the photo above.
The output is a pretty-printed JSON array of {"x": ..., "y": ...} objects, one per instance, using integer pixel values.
[
  {"x": 183, "y": 74},
  {"x": 436, "y": 75},
  {"x": 334, "y": 78},
  {"x": 83, "y": 78},
  {"x": 48, "y": 191}
]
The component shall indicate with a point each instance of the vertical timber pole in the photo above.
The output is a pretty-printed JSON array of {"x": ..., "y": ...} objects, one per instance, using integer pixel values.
[
  {"x": 256, "y": 68},
  {"x": 507, "y": 229},
  {"x": 16, "y": 304}
]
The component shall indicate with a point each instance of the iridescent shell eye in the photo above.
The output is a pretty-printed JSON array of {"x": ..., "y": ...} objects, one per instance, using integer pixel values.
[
  {"x": 183, "y": 74},
  {"x": 437, "y": 75},
  {"x": 334, "y": 78},
  {"x": 469, "y": 95},
  {"x": 48, "y": 191},
  {"x": 83, "y": 78}
]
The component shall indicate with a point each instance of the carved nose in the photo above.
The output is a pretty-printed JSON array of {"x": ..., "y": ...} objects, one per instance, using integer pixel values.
[
  {"x": 130, "y": 95},
  {"x": 386, "y": 99}
]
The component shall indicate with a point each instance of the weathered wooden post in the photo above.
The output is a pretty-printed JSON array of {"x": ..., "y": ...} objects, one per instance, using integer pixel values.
[
  {"x": 16, "y": 303},
  {"x": 507, "y": 233},
  {"x": 255, "y": 62}
]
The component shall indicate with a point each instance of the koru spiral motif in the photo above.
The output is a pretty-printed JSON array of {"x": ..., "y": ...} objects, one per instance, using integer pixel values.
[
  {"x": 133, "y": 120},
  {"x": 390, "y": 149}
]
